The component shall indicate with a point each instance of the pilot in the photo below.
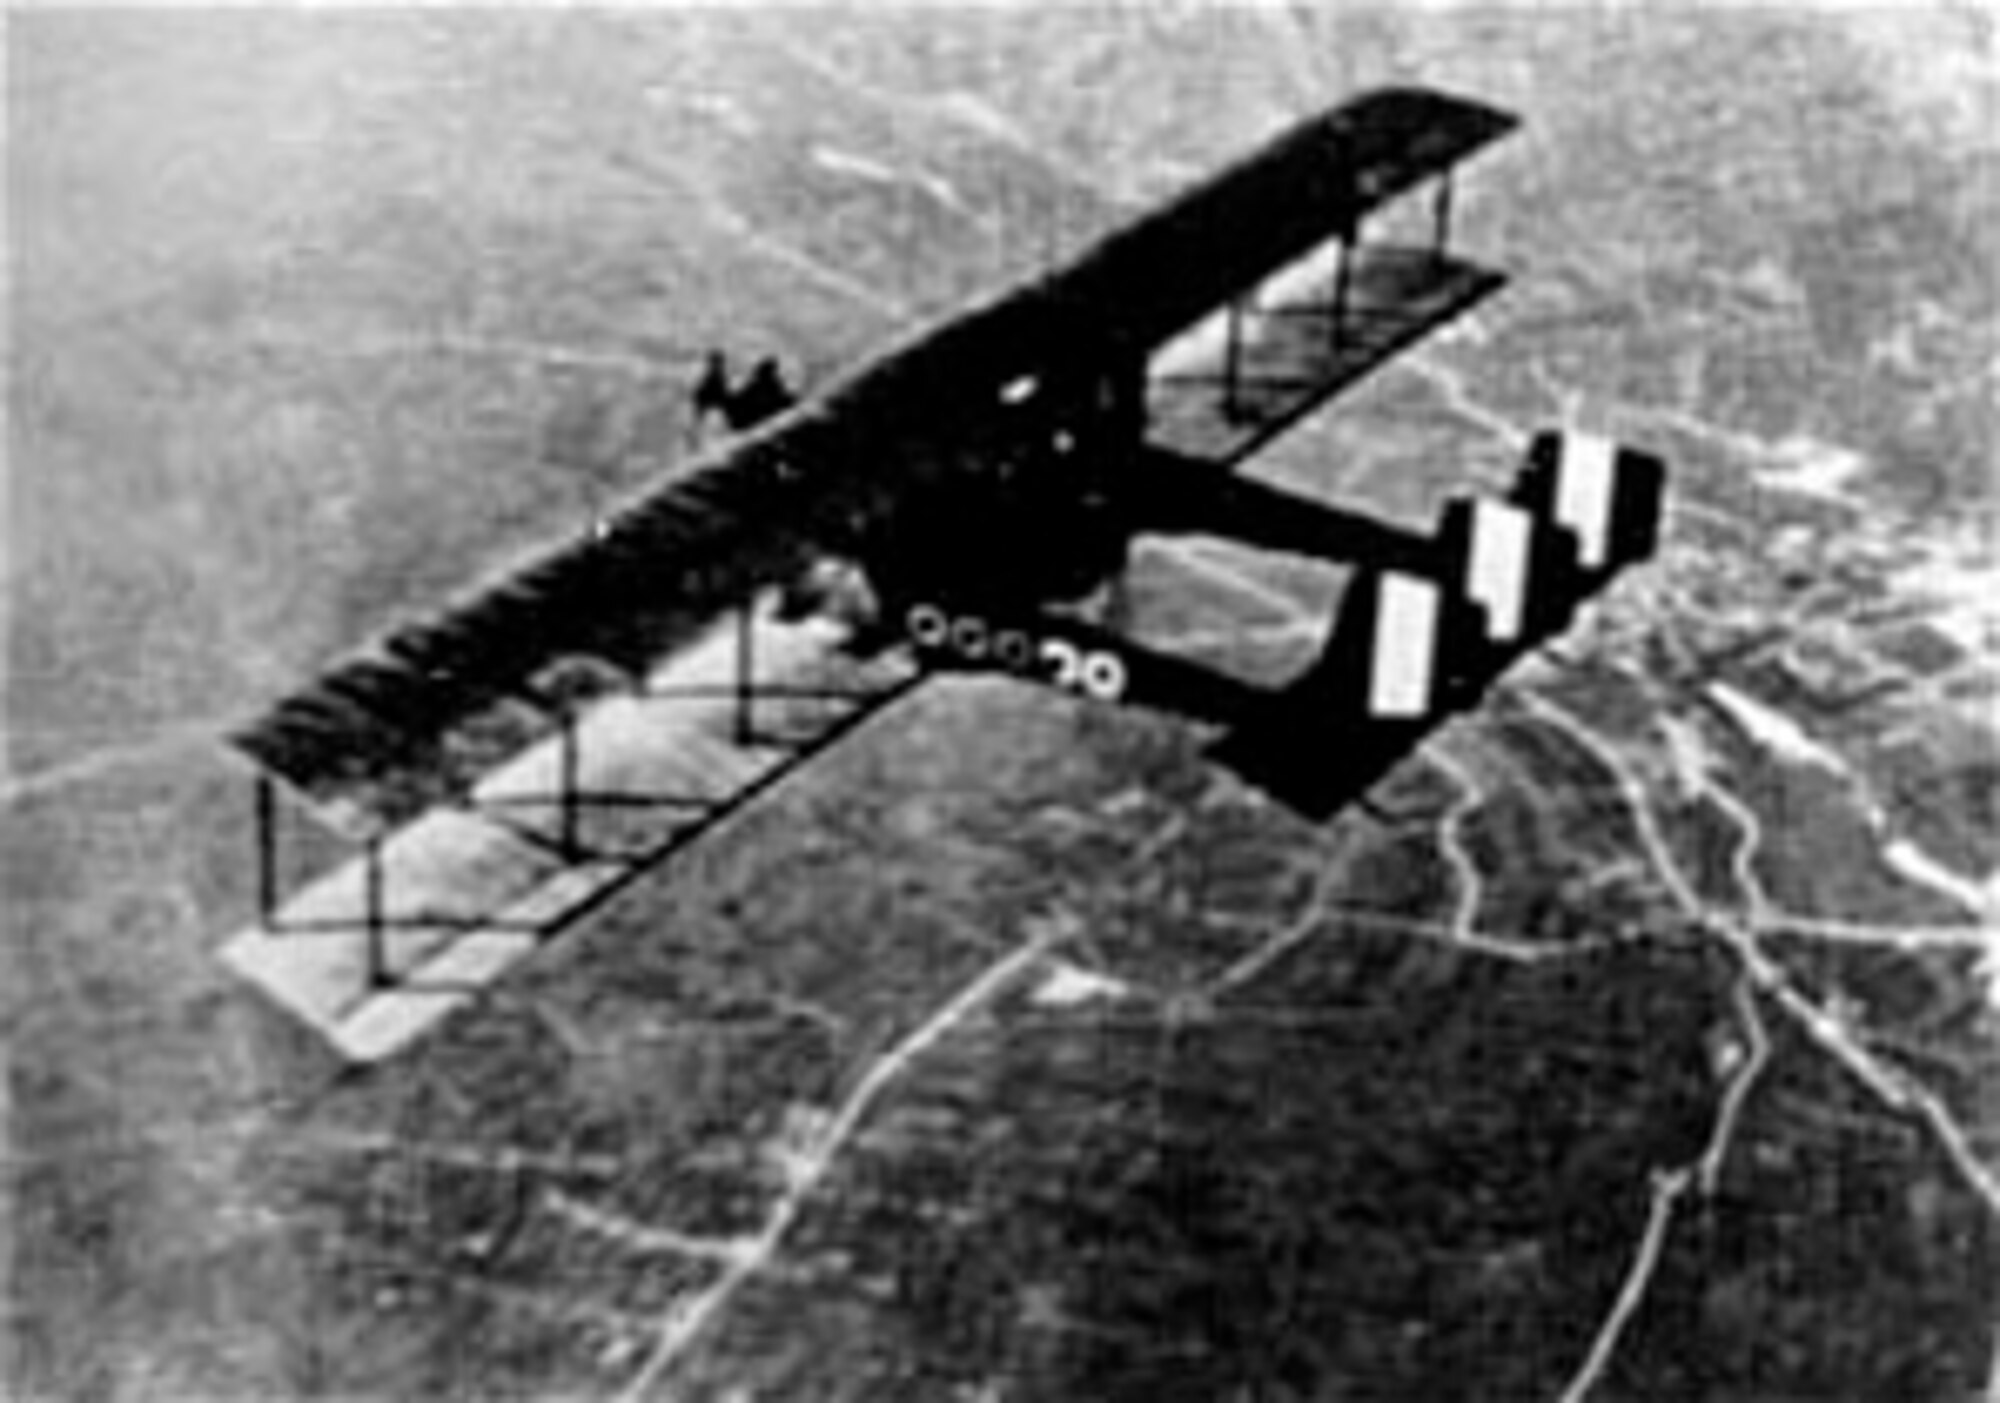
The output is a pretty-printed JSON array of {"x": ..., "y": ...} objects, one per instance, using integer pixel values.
[
  {"x": 712, "y": 393},
  {"x": 763, "y": 395}
]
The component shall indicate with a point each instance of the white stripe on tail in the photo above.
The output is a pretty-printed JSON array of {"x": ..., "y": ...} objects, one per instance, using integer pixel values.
[
  {"x": 1586, "y": 488},
  {"x": 1496, "y": 566},
  {"x": 1403, "y": 660}
]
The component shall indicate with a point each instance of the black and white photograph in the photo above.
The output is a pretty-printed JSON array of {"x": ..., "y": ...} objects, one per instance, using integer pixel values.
[{"x": 1122, "y": 701}]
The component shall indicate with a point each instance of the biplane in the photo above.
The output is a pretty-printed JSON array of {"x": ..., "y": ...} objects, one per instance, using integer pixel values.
[{"x": 961, "y": 503}]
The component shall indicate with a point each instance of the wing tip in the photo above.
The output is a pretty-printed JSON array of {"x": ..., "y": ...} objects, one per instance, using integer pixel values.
[{"x": 1419, "y": 102}]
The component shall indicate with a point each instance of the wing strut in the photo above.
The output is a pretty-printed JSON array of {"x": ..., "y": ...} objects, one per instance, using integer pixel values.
[
  {"x": 746, "y": 674},
  {"x": 1343, "y": 278},
  {"x": 372, "y": 879},
  {"x": 1232, "y": 359},
  {"x": 1441, "y": 217},
  {"x": 267, "y": 847},
  {"x": 569, "y": 761}
]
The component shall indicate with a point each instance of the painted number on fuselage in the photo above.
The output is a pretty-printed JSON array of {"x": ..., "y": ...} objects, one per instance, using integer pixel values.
[
  {"x": 967, "y": 638},
  {"x": 1092, "y": 671}
]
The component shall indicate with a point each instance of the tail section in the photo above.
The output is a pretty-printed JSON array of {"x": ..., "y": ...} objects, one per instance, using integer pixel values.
[
  {"x": 1393, "y": 668},
  {"x": 1391, "y": 653},
  {"x": 1411, "y": 646},
  {"x": 1503, "y": 564},
  {"x": 1608, "y": 497},
  {"x": 1425, "y": 627}
]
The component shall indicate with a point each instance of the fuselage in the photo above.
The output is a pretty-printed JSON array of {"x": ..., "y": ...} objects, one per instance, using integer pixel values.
[{"x": 1029, "y": 507}]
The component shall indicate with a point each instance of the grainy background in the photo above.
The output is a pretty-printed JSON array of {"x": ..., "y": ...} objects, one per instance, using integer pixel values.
[{"x": 1150, "y": 1092}]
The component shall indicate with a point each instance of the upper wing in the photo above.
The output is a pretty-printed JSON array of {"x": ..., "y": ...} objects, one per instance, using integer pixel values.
[
  {"x": 1315, "y": 181},
  {"x": 385, "y": 733}
]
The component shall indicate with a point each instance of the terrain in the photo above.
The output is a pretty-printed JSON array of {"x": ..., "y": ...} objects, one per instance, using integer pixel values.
[{"x": 1638, "y": 1041}]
